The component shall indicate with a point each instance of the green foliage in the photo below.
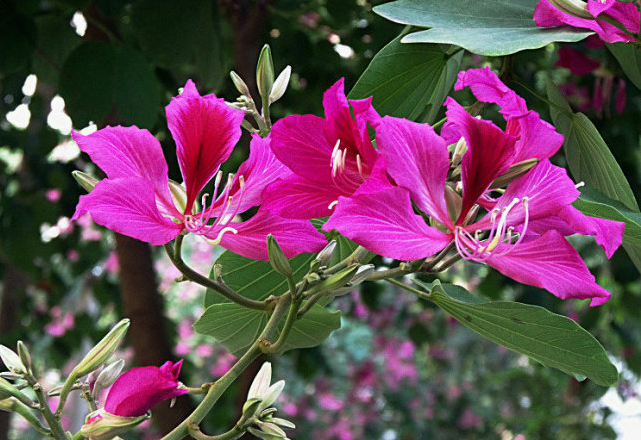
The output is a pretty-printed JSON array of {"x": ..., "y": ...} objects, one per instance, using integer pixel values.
[
  {"x": 629, "y": 57},
  {"x": 551, "y": 339},
  {"x": 490, "y": 27},
  {"x": 409, "y": 81},
  {"x": 237, "y": 328}
]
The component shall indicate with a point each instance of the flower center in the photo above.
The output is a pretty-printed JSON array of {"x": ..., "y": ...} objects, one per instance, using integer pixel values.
[
  {"x": 222, "y": 209},
  {"x": 343, "y": 171},
  {"x": 477, "y": 248}
]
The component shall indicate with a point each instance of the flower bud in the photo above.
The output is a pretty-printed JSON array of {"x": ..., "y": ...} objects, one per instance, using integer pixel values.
[
  {"x": 24, "y": 355},
  {"x": 263, "y": 435},
  {"x": 265, "y": 73},
  {"x": 99, "y": 354},
  {"x": 239, "y": 83},
  {"x": 284, "y": 423},
  {"x": 107, "y": 377},
  {"x": 100, "y": 425},
  {"x": 249, "y": 408},
  {"x": 339, "y": 279},
  {"x": 280, "y": 85},
  {"x": 85, "y": 180},
  {"x": 277, "y": 257},
  {"x": 513, "y": 173},
  {"x": 324, "y": 256},
  {"x": 178, "y": 194},
  {"x": 11, "y": 360},
  {"x": 362, "y": 274},
  {"x": 459, "y": 151}
]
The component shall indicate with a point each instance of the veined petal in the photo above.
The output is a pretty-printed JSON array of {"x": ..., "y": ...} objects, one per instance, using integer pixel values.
[
  {"x": 487, "y": 87},
  {"x": 547, "y": 188},
  {"x": 549, "y": 262},
  {"x": 123, "y": 152},
  {"x": 608, "y": 233},
  {"x": 296, "y": 197},
  {"x": 418, "y": 160},
  {"x": 205, "y": 130},
  {"x": 625, "y": 13},
  {"x": 293, "y": 236},
  {"x": 299, "y": 142},
  {"x": 385, "y": 223},
  {"x": 365, "y": 114},
  {"x": 595, "y": 7},
  {"x": 339, "y": 121},
  {"x": 490, "y": 153},
  {"x": 128, "y": 206}
]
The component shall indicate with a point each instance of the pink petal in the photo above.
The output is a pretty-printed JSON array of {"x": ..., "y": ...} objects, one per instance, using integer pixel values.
[
  {"x": 608, "y": 233},
  {"x": 627, "y": 14},
  {"x": 128, "y": 206},
  {"x": 299, "y": 142},
  {"x": 595, "y": 7},
  {"x": 550, "y": 262},
  {"x": 293, "y": 236},
  {"x": 575, "y": 60},
  {"x": 139, "y": 389},
  {"x": 296, "y": 197},
  {"x": 418, "y": 160},
  {"x": 490, "y": 152},
  {"x": 205, "y": 130},
  {"x": 487, "y": 87},
  {"x": 385, "y": 223},
  {"x": 123, "y": 152}
]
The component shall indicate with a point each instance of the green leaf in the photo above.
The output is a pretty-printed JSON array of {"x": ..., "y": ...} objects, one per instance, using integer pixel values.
[
  {"x": 237, "y": 327},
  {"x": 56, "y": 40},
  {"x": 488, "y": 27},
  {"x": 553, "y": 340},
  {"x": 629, "y": 57},
  {"x": 408, "y": 81},
  {"x": 344, "y": 246},
  {"x": 588, "y": 156}
]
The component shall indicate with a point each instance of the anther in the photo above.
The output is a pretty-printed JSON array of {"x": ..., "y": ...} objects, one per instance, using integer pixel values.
[
  {"x": 359, "y": 165},
  {"x": 331, "y": 205}
]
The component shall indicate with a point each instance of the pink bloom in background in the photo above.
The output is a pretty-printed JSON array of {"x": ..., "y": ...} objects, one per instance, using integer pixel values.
[
  {"x": 575, "y": 60},
  {"x": 596, "y": 16},
  {"x": 53, "y": 195},
  {"x": 520, "y": 227},
  {"x": 329, "y": 157},
  {"x": 139, "y": 389},
  {"x": 135, "y": 199}
]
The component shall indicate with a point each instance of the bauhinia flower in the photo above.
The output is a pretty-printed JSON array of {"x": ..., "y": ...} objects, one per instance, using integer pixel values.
[
  {"x": 522, "y": 232},
  {"x": 137, "y": 199},
  {"x": 608, "y": 18},
  {"x": 130, "y": 398},
  {"x": 329, "y": 157}
]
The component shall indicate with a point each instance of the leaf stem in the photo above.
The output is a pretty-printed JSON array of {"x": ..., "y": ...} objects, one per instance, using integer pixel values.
[{"x": 175, "y": 255}]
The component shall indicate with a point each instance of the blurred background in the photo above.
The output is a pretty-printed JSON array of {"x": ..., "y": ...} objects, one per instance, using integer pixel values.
[{"x": 398, "y": 369}]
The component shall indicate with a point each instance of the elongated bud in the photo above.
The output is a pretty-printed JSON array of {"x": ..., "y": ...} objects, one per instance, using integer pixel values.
[
  {"x": 324, "y": 256},
  {"x": 24, "y": 355},
  {"x": 280, "y": 85},
  {"x": 240, "y": 84},
  {"x": 99, "y": 354},
  {"x": 101, "y": 425},
  {"x": 11, "y": 360},
  {"x": 459, "y": 150},
  {"x": 362, "y": 274},
  {"x": 513, "y": 173},
  {"x": 265, "y": 73},
  {"x": 178, "y": 195},
  {"x": 250, "y": 407},
  {"x": 85, "y": 180},
  {"x": 339, "y": 279},
  {"x": 277, "y": 257},
  {"x": 454, "y": 203},
  {"x": 107, "y": 377}
]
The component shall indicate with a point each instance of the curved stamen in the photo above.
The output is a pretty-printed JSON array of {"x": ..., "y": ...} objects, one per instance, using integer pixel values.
[{"x": 219, "y": 237}]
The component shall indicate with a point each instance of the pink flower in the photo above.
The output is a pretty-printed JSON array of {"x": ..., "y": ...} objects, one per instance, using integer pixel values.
[
  {"x": 596, "y": 16},
  {"x": 139, "y": 389},
  {"x": 575, "y": 60},
  {"x": 136, "y": 200},
  {"x": 329, "y": 157},
  {"x": 515, "y": 236}
]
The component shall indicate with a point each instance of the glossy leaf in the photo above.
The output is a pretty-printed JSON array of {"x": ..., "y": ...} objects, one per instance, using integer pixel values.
[
  {"x": 408, "y": 81},
  {"x": 588, "y": 156},
  {"x": 553, "y": 340},
  {"x": 629, "y": 57},
  {"x": 489, "y": 27}
]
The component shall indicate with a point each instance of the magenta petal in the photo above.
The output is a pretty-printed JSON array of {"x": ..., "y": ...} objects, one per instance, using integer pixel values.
[
  {"x": 595, "y": 7},
  {"x": 418, "y": 160},
  {"x": 339, "y": 122},
  {"x": 537, "y": 139},
  {"x": 299, "y": 142},
  {"x": 608, "y": 233},
  {"x": 139, "y": 389},
  {"x": 259, "y": 170},
  {"x": 296, "y": 197},
  {"x": 627, "y": 14},
  {"x": 490, "y": 152},
  {"x": 550, "y": 262},
  {"x": 128, "y": 206},
  {"x": 205, "y": 130},
  {"x": 123, "y": 152},
  {"x": 293, "y": 236},
  {"x": 575, "y": 60},
  {"x": 385, "y": 223},
  {"x": 487, "y": 87}
]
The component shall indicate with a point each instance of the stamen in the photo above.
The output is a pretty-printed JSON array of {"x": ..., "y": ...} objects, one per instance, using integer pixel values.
[
  {"x": 343, "y": 160},
  {"x": 219, "y": 237},
  {"x": 359, "y": 165},
  {"x": 579, "y": 185},
  {"x": 331, "y": 205}
]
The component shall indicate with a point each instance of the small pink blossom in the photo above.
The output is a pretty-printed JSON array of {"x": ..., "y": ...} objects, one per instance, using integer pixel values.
[{"x": 53, "y": 195}]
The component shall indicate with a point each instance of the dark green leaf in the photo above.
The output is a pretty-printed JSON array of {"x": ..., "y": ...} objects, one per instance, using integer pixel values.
[
  {"x": 553, "y": 340},
  {"x": 589, "y": 158},
  {"x": 489, "y": 27},
  {"x": 406, "y": 80},
  {"x": 56, "y": 40},
  {"x": 629, "y": 57},
  {"x": 17, "y": 37}
]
